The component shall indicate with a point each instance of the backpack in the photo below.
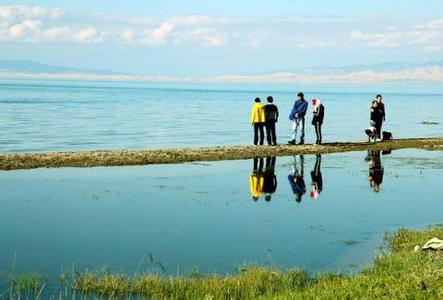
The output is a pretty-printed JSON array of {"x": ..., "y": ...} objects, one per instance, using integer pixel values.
[{"x": 386, "y": 136}]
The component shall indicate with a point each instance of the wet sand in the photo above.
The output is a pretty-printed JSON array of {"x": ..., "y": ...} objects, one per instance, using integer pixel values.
[{"x": 170, "y": 156}]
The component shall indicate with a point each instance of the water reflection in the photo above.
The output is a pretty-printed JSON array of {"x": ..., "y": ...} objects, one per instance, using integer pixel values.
[
  {"x": 256, "y": 180},
  {"x": 270, "y": 180},
  {"x": 376, "y": 170},
  {"x": 208, "y": 212},
  {"x": 296, "y": 178},
  {"x": 263, "y": 181},
  {"x": 317, "y": 178}
]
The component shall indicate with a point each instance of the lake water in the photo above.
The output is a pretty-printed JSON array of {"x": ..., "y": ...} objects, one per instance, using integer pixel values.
[
  {"x": 169, "y": 218},
  {"x": 75, "y": 115}
]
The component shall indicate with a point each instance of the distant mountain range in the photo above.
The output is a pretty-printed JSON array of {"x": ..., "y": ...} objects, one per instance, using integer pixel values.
[
  {"x": 33, "y": 67},
  {"x": 29, "y": 66},
  {"x": 382, "y": 67}
]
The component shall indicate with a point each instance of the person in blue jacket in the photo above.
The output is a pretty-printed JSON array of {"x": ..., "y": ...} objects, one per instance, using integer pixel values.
[{"x": 297, "y": 117}]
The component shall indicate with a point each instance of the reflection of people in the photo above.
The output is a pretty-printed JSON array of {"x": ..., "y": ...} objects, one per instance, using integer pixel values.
[
  {"x": 317, "y": 179},
  {"x": 270, "y": 180},
  {"x": 258, "y": 121},
  {"x": 296, "y": 179},
  {"x": 376, "y": 170},
  {"x": 256, "y": 180}
]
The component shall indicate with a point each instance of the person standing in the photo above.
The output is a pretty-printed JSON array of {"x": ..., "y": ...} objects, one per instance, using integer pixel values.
[
  {"x": 258, "y": 121},
  {"x": 376, "y": 118},
  {"x": 271, "y": 118},
  {"x": 317, "y": 118},
  {"x": 381, "y": 106},
  {"x": 297, "y": 116}
]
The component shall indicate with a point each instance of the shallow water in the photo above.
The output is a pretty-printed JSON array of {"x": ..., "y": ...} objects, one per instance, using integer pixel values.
[
  {"x": 170, "y": 218},
  {"x": 73, "y": 115}
]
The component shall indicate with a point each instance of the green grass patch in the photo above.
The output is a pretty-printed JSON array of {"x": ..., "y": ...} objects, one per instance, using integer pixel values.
[{"x": 400, "y": 274}]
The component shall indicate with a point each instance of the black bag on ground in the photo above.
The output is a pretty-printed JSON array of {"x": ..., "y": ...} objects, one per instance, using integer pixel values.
[{"x": 386, "y": 136}]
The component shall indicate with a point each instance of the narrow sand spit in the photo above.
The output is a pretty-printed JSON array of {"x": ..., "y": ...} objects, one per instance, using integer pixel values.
[{"x": 171, "y": 156}]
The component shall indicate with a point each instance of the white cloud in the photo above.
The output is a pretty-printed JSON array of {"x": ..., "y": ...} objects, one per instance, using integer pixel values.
[
  {"x": 56, "y": 33},
  {"x": 435, "y": 24},
  {"x": 428, "y": 36},
  {"x": 33, "y": 24},
  {"x": 157, "y": 36},
  {"x": 203, "y": 20},
  {"x": 88, "y": 35},
  {"x": 203, "y": 36},
  {"x": 127, "y": 36},
  {"x": 13, "y": 13},
  {"x": 25, "y": 28}
]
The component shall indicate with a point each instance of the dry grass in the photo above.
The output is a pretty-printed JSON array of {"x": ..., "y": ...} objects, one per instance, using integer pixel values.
[{"x": 169, "y": 156}]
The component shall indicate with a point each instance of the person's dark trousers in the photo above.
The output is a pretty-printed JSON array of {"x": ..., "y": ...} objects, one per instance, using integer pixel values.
[
  {"x": 270, "y": 161},
  {"x": 258, "y": 165},
  {"x": 259, "y": 133},
  {"x": 378, "y": 129},
  {"x": 302, "y": 136},
  {"x": 317, "y": 126},
  {"x": 270, "y": 133}
]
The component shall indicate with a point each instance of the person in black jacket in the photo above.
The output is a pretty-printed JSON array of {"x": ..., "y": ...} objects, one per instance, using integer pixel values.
[
  {"x": 376, "y": 117},
  {"x": 381, "y": 106},
  {"x": 271, "y": 117},
  {"x": 270, "y": 180},
  {"x": 317, "y": 119}
]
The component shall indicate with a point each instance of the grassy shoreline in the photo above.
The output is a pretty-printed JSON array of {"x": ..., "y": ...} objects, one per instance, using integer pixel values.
[
  {"x": 400, "y": 274},
  {"x": 170, "y": 156}
]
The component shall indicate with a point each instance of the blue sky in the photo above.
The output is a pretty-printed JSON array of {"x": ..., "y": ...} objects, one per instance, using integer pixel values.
[{"x": 223, "y": 37}]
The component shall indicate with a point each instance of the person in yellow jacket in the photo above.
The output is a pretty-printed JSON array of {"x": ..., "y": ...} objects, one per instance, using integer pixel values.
[
  {"x": 258, "y": 121},
  {"x": 257, "y": 179}
]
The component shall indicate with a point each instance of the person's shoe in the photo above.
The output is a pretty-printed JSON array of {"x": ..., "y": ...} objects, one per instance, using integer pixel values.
[
  {"x": 301, "y": 143},
  {"x": 291, "y": 142}
]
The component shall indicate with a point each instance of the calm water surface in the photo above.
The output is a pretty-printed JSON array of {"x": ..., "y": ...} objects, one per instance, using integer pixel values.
[
  {"x": 173, "y": 217},
  {"x": 74, "y": 115}
]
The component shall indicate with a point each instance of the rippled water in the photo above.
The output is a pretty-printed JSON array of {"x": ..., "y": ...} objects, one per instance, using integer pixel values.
[
  {"x": 74, "y": 115},
  {"x": 173, "y": 217}
]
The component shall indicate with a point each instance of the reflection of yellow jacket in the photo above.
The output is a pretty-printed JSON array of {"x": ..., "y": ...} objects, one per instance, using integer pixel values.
[
  {"x": 257, "y": 113},
  {"x": 256, "y": 185}
]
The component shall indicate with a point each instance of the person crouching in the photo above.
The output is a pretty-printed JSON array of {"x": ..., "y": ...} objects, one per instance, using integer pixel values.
[{"x": 318, "y": 114}]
